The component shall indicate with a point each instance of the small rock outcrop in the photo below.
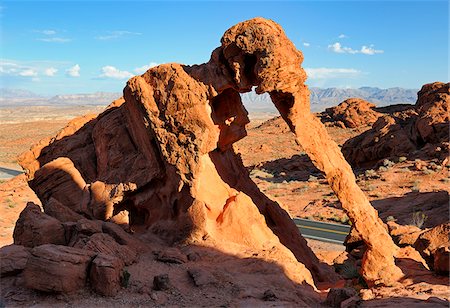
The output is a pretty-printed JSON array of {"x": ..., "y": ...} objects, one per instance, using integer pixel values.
[
  {"x": 430, "y": 241},
  {"x": 14, "y": 259},
  {"x": 105, "y": 274},
  {"x": 57, "y": 268},
  {"x": 351, "y": 113},
  {"x": 35, "y": 228},
  {"x": 421, "y": 129},
  {"x": 163, "y": 161}
]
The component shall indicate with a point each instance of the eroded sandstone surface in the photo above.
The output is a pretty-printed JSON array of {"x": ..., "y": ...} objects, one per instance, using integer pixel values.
[
  {"x": 162, "y": 161},
  {"x": 414, "y": 131}
]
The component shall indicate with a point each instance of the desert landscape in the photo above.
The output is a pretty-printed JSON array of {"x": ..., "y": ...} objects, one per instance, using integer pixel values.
[{"x": 174, "y": 195}]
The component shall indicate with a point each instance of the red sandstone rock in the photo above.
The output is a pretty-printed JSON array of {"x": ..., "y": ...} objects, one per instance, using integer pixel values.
[
  {"x": 353, "y": 112},
  {"x": 431, "y": 240},
  {"x": 54, "y": 268},
  {"x": 59, "y": 211},
  {"x": 405, "y": 131},
  {"x": 386, "y": 138},
  {"x": 441, "y": 260},
  {"x": 404, "y": 235},
  {"x": 105, "y": 274},
  {"x": 104, "y": 244},
  {"x": 165, "y": 156},
  {"x": 59, "y": 179},
  {"x": 432, "y": 105},
  {"x": 35, "y": 228},
  {"x": 13, "y": 259}
]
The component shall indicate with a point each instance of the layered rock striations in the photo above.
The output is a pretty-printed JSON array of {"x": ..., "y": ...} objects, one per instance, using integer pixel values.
[{"x": 163, "y": 160}]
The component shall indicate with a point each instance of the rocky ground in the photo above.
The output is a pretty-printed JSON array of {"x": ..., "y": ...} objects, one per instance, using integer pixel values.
[{"x": 398, "y": 188}]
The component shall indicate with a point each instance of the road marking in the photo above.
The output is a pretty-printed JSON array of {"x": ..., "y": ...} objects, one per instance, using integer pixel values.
[
  {"x": 322, "y": 239},
  {"x": 321, "y": 229}
]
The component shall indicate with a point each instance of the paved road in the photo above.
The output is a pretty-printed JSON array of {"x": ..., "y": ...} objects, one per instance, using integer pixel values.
[
  {"x": 7, "y": 173},
  {"x": 322, "y": 231}
]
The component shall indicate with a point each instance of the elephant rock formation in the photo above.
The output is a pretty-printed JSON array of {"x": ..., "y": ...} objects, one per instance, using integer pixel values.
[{"x": 162, "y": 159}]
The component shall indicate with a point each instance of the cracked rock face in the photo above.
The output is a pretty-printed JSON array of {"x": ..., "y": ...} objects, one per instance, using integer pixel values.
[{"x": 163, "y": 159}]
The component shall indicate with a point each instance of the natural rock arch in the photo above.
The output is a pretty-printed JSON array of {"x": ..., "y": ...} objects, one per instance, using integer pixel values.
[{"x": 165, "y": 155}]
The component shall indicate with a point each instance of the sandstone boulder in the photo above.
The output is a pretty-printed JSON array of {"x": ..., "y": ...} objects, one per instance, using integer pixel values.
[
  {"x": 441, "y": 260},
  {"x": 353, "y": 112},
  {"x": 105, "y": 274},
  {"x": 404, "y": 235},
  {"x": 104, "y": 244},
  {"x": 386, "y": 138},
  {"x": 59, "y": 211},
  {"x": 433, "y": 119},
  {"x": 55, "y": 268},
  {"x": 35, "y": 228},
  {"x": 405, "y": 131},
  {"x": 338, "y": 295},
  {"x": 13, "y": 259},
  {"x": 431, "y": 240},
  {"x": 59, "y": 179}
]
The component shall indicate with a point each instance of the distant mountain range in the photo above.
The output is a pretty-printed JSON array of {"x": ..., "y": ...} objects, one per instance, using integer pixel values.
[
  {"x": 320, "y": 98},
  {"x": 19, "y": 97},
  {"x": 323, "y": 98}
]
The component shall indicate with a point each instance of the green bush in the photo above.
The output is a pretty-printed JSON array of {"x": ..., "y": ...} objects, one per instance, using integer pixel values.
[{"x": 125, "y": 279}]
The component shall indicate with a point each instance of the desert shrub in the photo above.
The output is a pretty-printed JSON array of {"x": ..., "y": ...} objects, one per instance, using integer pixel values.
[
  {"x": 390, "y": 218},
  {"x": 434, "y": 166},
  {"x": 312, "y": 178},
  {"x": 382, "y": 169},
  {"x": 262, "y": 174},
  {"x": 345, "y": 220},
  {"x": 402, "y": 159},
  {"x": 370, "y": 173},
  {"x": 273, "y": 186},
  {"x": 300, "y": 189},
  {"x": 415, "y": 187},
  {"x": 11, "y": 204},
  {"x": 427, "y": 171},
  {"x": 418, "y": 219},
  {"x": 125, "y": 279},
  {"x": 387, "y": 163},
  {"x": 371, "y": 187},
  {"x": 318, "y": 216}
]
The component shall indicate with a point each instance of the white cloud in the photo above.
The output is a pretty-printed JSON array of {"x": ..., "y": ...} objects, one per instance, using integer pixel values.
[
  {"x": 54, "y": 40},
  {"x": 338, "y": 48},
  {"x": 50, "y": 36},
  {"x": 370, "y": 50},
  {"x": 144, "y": 68},
  {"x": 74, "y": 71},
  {"x": 8, "y": 68},
  {"x": 306, "y": 44},
  {"x": 51, "y": 71},
  {"x": 46, "y": 32},
  {"x": 15, "y": 68},
  {"x": 28, "y": 73},
  {"x": 342, "y": 36},
  {"x": 328, "y": 73},
  {"x": 112, "y": 72},
  {"x": 116, "y": 34}
]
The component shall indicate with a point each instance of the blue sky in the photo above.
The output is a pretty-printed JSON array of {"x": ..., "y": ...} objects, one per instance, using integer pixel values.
[{"x": 58, "y": 47}]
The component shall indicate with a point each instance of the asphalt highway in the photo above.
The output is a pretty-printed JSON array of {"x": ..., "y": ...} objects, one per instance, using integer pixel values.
[{"x": 322, "y": 231}]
